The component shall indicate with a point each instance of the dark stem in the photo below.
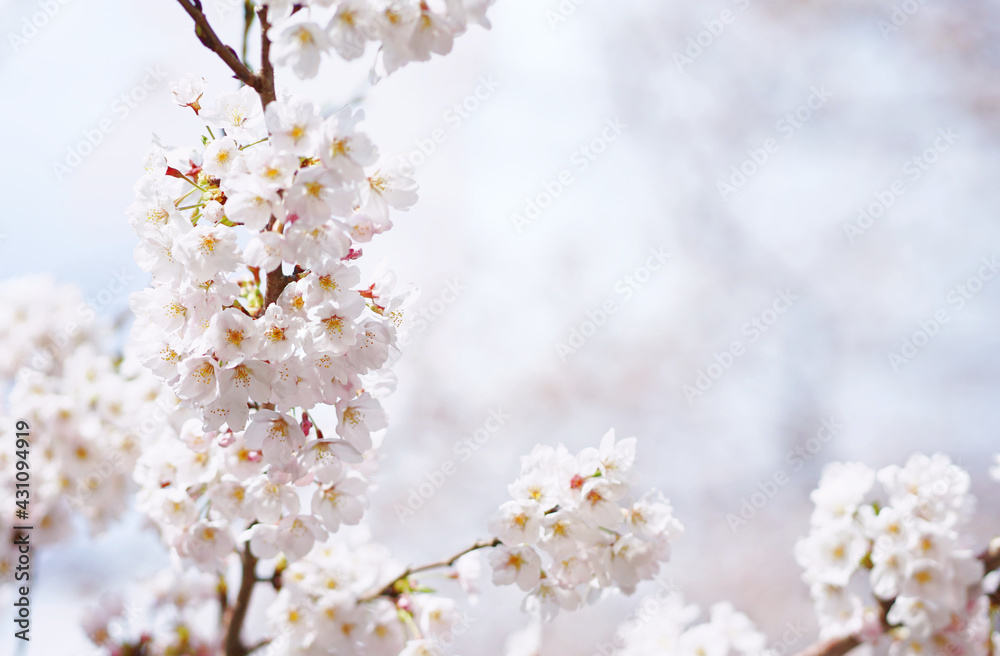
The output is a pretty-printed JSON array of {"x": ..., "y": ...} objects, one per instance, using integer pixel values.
[
  {"x": 263, "y": 83},
  {"x": 234, "y": 645},
  {"x": 266, "y": 89},
  {"x": 223, "y": 596},
  {"x": 211, "y": 40}
]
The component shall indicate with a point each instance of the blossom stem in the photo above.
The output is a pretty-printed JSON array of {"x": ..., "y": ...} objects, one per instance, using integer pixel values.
[
  {"x": 181, "y": 199},
  {"x": 191, "y": 182},
  {"x": 254, "y": 143},
  {"x": 389, "y": 590}
]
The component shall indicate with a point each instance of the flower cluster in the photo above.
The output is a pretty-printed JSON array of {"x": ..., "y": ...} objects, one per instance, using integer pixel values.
[
  {"x": 326, "y": 604},
  {"x": 86, "y": 414},
  {"x": 42, "y": 324},
  {"x": 669, "y": 632},
  {"x": 406, "y": 30},
  {"x": 907, "y": 536},
  {"x": 173, "y": 613},
  {"x": 573, "y": 530},
  {"x": 253, "y": 337}
]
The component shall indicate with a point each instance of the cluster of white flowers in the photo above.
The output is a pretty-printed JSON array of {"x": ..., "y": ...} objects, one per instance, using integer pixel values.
[
  {"x": 327, "y": 604},
  {"x": 908, "y": 536},
  {"x": 42, "y": 324},
  {"x": 669, "y": 632},
  {"x": 406, "y": 30},
  {"x": 252, "y": 338},
  {"x": 86, "y": 414},
  {"x": 172, "y": 613},
  {"x": 573, "y": 529}
]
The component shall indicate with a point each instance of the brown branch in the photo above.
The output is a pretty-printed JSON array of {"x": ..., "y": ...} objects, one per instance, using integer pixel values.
[
  {"x": 234, "y": 645},
  {"x": 266, "y": 89},
  {"x": 211, "y": 40},
  {"x": 991, "y": 556},
  {"x": 222, "y": 592},
  {"x": 840, "y": 646},
  {"x": 276, "y": 283},
  {"x": 389, "y": 590}
]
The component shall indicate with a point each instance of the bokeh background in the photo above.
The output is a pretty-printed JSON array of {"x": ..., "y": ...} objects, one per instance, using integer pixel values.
[{"x": 696, "y": 89}]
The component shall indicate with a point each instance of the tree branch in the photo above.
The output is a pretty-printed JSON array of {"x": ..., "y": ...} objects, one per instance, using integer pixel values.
[
  {"x": 266, "y": 89},
  {"x": 389, "y": 590},
  {"x": 840, "y": 646},
  {"x": 211, "y": 40},
  {"x": 234, "y": 645}
]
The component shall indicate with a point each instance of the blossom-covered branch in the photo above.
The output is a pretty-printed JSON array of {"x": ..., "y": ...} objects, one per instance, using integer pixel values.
[{"x": 990, "y": 559}]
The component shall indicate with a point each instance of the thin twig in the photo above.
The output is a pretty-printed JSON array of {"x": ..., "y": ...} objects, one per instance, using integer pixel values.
[
  {"x": 389, "y": 590},
  {"x": 262, "y": 643}
]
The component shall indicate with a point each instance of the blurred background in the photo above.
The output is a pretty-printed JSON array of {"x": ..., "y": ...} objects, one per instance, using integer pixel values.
[{"x": 717, "y": 226}]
